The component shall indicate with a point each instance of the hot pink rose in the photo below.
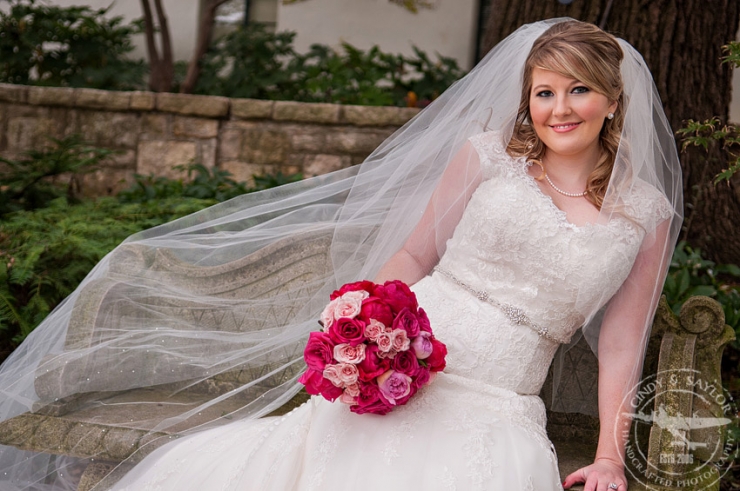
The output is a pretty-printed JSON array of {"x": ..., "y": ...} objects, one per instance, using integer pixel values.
[
  {"x": 436, "y": 360},
  {"x": 394, "y": 386},
  {"x": 348, "y": 305},
  {"x": 369, "y": 401},
  {"x": 332, "y": 374},
  {"x": 346, "y": 330},
  {"x": 424, "y": 324},
  {"x": 316, "y": 384},
  {"x": 368, "y": 286},
  {"x": 407, "y": 321},
  {"x": 372, "y": 365},
  {"x": 398, "y": 295},
  {"x": 373, "y": 329},
  {"x": 423, "y": 377},
  {"x": 385, "y": 342},
  {"x": 400, "y": 341},
  {"x": 319, "y": 351},
  {"x": 406, "y": 362},
  {"x": 375, "y": 308},
  {"x": 348, "y": 373},
  {"x": 346, "y": 353},
  {"x": 421, "y": 345}
]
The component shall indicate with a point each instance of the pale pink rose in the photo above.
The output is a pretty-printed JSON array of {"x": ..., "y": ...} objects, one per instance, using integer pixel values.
[
  {"x": 348, "y": 373},
  {"x": 385, "y": 342},
  {"x": 421, "y": 345},
  {"x": 327, "y": 316},
  {"x": 353, "y": 390},
  {"x": 332, "y": 374},
  {"x": 401, "y": 340},
  {"x": 348, "y": 399},
  {"x": 389, "y": 354},
  {"x": 346, "y": 353},
  {"x": 358, "y": 295},
  {"x": 394, "y": 385},
  {"x": 348, "y": 305},
  {"x": 374, "y": 329}
]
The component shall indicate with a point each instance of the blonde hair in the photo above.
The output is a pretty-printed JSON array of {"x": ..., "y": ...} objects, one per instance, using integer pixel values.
[{"x": 586, "y": 53}]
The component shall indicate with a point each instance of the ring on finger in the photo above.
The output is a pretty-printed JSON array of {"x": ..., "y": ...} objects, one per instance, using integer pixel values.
[{"x": 613, "y": 485}]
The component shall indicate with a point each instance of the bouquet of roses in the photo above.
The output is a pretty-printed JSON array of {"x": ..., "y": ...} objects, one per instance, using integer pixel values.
[{"x": 376, "y": 348}]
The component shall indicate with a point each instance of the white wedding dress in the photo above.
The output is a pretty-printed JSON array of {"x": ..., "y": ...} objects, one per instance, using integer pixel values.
[{"x": 478, "y": 426}]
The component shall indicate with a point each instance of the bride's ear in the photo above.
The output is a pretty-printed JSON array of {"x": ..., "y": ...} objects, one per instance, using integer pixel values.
[{"x": 613, "y": 107}]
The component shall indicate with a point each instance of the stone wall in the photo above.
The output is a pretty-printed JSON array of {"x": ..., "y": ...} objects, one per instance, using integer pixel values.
[{"x": 153, "y": 132}]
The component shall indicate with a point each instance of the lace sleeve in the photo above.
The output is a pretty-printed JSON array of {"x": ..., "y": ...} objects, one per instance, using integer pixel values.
[
  {"x": 491, "y": 151},
  {"x": 648, "y": 206}
]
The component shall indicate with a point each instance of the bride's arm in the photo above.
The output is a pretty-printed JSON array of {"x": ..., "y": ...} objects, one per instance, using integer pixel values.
[
  {"x": 445, "y": 208},
  {"x": 621, "y": 348}
]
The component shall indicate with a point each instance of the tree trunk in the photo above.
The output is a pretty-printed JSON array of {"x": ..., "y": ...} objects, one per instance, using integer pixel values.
[
  {"x": 681, "y": 42},
  {"x": 161, "y": 70},
  {"x": 202, "y": 43},
  {"x": 168, "y": 63}
]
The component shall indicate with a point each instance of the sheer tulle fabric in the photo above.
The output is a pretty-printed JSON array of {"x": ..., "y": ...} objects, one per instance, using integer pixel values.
[{"x": 164, "y": 331}]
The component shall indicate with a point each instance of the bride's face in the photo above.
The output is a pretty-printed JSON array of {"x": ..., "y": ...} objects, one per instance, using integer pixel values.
[{"x": 567, "y": 116}]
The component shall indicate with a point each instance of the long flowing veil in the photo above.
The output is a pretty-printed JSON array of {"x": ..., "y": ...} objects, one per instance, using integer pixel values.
[{"x": 214, "y": 309}]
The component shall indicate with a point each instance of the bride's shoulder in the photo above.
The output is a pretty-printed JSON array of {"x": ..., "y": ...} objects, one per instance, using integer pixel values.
[
  {"x": 491, "y": 149},
  {"x": 647, "y": 205}
]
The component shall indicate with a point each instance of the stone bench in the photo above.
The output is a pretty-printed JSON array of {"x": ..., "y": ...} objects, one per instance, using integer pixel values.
[{"x": 105, "y": 433}]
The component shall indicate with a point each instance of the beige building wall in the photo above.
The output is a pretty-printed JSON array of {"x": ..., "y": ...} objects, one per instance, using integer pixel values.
[{"x": 449, "y": 28}]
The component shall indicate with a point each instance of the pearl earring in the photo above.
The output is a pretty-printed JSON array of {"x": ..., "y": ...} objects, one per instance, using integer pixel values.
[{"x": 610, "y": 116}]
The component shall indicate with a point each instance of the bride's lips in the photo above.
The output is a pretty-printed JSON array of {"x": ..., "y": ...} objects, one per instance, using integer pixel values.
[{"x": 564, "y": 127}]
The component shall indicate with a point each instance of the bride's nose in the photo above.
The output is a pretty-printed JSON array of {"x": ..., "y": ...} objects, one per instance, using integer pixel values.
[{"x": 562, "y": 107}]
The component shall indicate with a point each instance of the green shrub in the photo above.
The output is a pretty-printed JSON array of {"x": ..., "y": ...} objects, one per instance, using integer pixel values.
[
  {"x": 690, "y": 274},
  {"x": 49, "y": 241},
  {"x": 47, "y": 174},
  {"x": 252, "y": 62},
  {"x": 67, "y": 46},
  {"x": 45, "y": 253},
  {"x": 201, "y": 183}
]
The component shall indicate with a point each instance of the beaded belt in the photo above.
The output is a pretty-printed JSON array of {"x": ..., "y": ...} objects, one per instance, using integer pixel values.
[{"x": 514, "y": 314}]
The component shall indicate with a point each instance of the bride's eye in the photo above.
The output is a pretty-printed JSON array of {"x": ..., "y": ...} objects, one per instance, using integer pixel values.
[
  {"x": 581, "y": 89},
  {"x": 544, "y": 93}
]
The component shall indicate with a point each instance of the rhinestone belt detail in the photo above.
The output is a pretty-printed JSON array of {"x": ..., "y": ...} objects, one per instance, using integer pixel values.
[{"x": 514, "y": 314}]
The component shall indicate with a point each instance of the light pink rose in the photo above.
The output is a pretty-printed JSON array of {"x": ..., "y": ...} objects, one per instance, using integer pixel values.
[
  {"x": 348, "y": 373},
  {"x": 401, "y": 340},
  {"x": 374, "y": 329},
  {"x": 358, "y": 295},
  {"x": 394, "y": 385},
  {"x": 352, "y": 389},
  {"x": 345, "y": 398},
  {"x": 385, "y": 342},
  {"x": 346, "y": 353},
  {"x": 387, "y": 355},
  {"x": 332, "y": 374},
  {"x": 349, "y": 305},
  {"x": 327, "y": 316},
  {"x": 421, "y": 345}
]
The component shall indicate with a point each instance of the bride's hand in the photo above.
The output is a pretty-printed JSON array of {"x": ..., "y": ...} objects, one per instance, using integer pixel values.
[{"x": 598, "y": 476}]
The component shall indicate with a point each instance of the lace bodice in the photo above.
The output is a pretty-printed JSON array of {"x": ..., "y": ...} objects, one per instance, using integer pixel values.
[{"x": 516, "y": 245}]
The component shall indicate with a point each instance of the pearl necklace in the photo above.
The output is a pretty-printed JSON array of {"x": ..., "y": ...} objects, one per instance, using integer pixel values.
[{"x": 570, "y": 195}]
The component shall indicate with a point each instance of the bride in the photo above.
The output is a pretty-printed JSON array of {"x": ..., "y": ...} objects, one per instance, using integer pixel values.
[{"x": 538, "y": 195}]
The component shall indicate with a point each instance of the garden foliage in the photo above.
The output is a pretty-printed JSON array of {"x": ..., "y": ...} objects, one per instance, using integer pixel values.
[
  {"x": 68, "y": 47},
  {"x": 252, "y": 62},
  {"x": 49, "y": 243}
]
